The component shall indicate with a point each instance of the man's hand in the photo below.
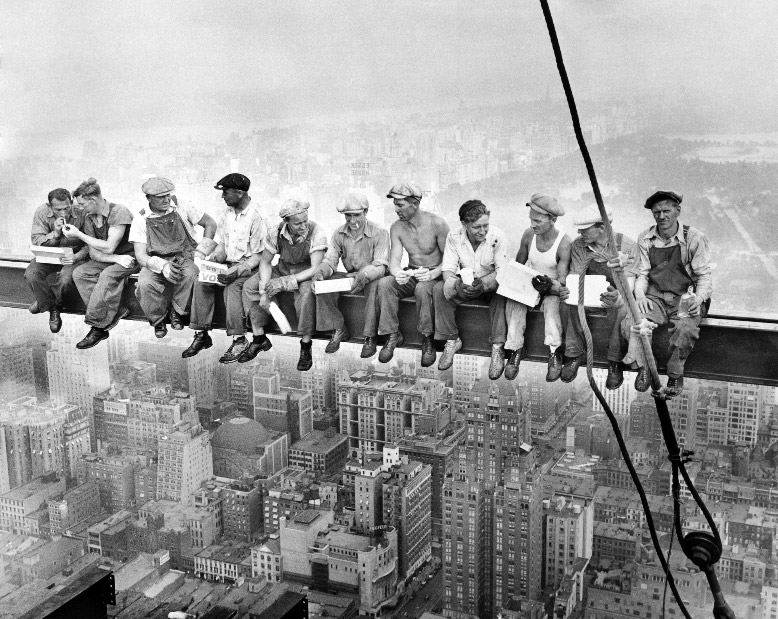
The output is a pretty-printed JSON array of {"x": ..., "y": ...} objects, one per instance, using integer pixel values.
[
  {"x": 695, "y": 305},
  {"x": 70, "y": 231},
  {"x": 644, "y": 305},
  {"x": 264, "y": 301},
  {"x": 66, "y": 259},
  {"x": 423, "y": 274},
  {"x": 172, "y": 272},
  {"x": 472, "y": 292},
  {"x": 611, "y": 298},
  {"x": 402, "y": 278},
  {"x": 623, "y": 260},
  {"x": 280, "y": 284},
  {"x": 124, "y": 261},
  {"x": 319, "y": 275},
  {"x": 542, "y": 283},
  {"x": 564, "y": 292},
  {"x": 229, "y": 276},
  {"x": 59, "y": 223},
  {"x": 360, "y": 281}
]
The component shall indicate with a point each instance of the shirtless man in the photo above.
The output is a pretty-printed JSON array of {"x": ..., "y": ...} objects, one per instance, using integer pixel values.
[
  {"x": 423, "y": 236},
  {"x": 547, "y": 250}
]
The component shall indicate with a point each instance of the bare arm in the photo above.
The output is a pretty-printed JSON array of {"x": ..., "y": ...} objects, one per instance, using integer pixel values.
[
  {"x": 441, "y": 234},
  {"x": 523, "y": 254},
  {"x": 98, "y": 247},
  {"x": 396, "y": 251},
  {"x": 316, "y": 259},
  {"x": 265, "y": 268},
  {"x": 209, "y": 226},
  {"x": 563, "y": 263},
  {"x": 140, "y": 254}
]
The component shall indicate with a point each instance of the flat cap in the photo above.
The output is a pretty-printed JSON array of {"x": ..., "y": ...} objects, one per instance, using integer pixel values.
[
  {"x": 291, "y": 208},
  {"x": 233, "y": 181},
  {"x": 354, "y": 203},
  {"x": 587, "y": 217},
  {"x": 404, "y": 190},
  {"x": 545, "y": 204},
  {"x": 659, "y": 196},
  {"x": 158, "y": 186}
]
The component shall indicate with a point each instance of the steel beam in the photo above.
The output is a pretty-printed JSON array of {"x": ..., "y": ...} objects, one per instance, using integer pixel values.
[{"x": 729, "y": 349}]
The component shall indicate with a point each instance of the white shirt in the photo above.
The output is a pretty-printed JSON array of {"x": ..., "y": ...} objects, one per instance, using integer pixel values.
[
  {"x": 487, "y": 258},
  {"x": 190, "y": 215}
]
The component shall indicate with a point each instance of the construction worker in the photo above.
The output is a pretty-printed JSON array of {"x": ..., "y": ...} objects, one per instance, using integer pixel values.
[
  {"x": 672, "y": 259},
  {"x": 423, "y": 236},
  {"x": 363, "y": 247},
  {"x": 588, "y": 256},
  {"x": 240, "y": 234},
  {"x": 51, "y": 283},
  {"x": 165, "y": 246},
  {"x": 300, "y": 244},
  {"x": 101, "y": 280},
  {"x": 547, "y": 250},
  {"x": 483, "y": 249}
]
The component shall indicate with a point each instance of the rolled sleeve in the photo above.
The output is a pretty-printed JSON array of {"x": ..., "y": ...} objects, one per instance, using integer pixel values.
[
  {"x": 450, "y": 260},
  {"x": 271, "y": 239},
  {"x": 138, "y": 230},
  {"x": 318, "y": 240},
  {"x": 699, "y": 260}
]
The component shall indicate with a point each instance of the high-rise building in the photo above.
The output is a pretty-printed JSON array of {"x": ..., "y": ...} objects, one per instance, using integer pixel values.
[
  {"x": 619, "y": 400},
  {"x": 76, "y": 505},
  {"x": 195, "y": 375},
  {"x": 114, "y": 478},
  {"x": 184, "y": 461},
  {"x": 569, "y": 535},
  {"x": 407, "y": 501},
  {"x": 22, "y": 501},
  {"x": 376, "y": 408},
  {"x": 468, "y": 369},
  {"x": 76, "y": 376},
  {"x": 242, "y": 510},
  {"x": 319, "y": 380},
  {"x": 17, "y": 376},
  {"x": 285, "y": 409},
  {"x": 241, "y": 383},
  {"x": 40, "y": 438}
]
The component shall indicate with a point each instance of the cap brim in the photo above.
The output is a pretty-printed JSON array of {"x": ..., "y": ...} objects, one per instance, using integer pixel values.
[{"x": 396, "y": 195}]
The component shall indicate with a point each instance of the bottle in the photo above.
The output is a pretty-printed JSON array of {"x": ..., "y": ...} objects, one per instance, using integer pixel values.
[{"x": 685, "y": 302}]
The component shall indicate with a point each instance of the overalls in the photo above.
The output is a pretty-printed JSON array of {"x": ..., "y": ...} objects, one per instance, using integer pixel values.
[
  {"x": 667, "y": 281},
  {"x": 574, "y": 337},
  {"x": 293, "y": 259},
  {"x": 167, "y": 237}
]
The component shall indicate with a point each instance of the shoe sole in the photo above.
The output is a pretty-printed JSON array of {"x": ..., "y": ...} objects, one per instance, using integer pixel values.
[
  {"x": 621, "y": 382},
  {"x": 92, "y": 345},
  {"x": 160, "y": 334}
]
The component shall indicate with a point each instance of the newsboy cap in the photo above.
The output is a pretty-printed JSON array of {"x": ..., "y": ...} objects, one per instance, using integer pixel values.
[
  {"x": 587, "y": 217},
  {"x": 545, "y": 204},
  {"x": 158, "y": 186},
  {"x": 353, "y": 203},
  {"x": 659, "y": 196},
  {"x": 291, "y": 208},
  {"x": 233, "y": 181},
  {"x": 404, "y": 190}
]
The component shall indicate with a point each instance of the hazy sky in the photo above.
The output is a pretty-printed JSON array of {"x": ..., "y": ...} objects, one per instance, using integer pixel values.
[{"x": 99, "y": 64}]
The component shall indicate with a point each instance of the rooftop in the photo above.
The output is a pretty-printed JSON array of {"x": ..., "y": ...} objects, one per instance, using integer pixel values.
[
  {"x": 318, "y": 442},
  {"x": 31, "y": 488}
]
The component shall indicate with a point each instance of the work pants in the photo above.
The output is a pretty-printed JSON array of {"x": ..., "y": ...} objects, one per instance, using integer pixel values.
[
  {"x": 445, "y": 314},
  {"x": 382, "y": 310},
  {"x": 684, "y": 333},
  {"x": 302, "y": 300},
  {"x": 328, "y": 315},
  {"x": 516, "y": 316},
  {"x": 50, "y": 283},
  {"x": 204, "y": 301},
  {"x": 574, "y": 335},
  {"x": 156, "y": 294},
  {"x": 101, "y": 285}
]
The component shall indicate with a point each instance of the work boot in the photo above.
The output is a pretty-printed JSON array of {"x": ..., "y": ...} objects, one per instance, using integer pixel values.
[
  {"x": 338, "y": 336},
  {"x": 122, "y": 313},
  {"x": 615, "y": 376},
  {"x": 447, "y": 358},
  {"x": 674, "y": 386},
  {"x": 512, "y": 367},
  {"x": 233, "y": 352},
  {"x": 428, "y": 353},
  {"x": 554, "y": 367},
  {"x": 175, "y": 320},
  {"x": 642, "y": 382},
  {"x": 160, "y": 330},
  {"x": 497, "y": 362},
  {"x": 55, "y": 320},
  {"x": 369, "y": 347},
  {"x": 387, "y": 352},
  {"x": 305, "y": 362},
  {"x": 201, "y": 341},
  {"x": 34, "y": 308},
  {"x": 260, "y": 343},
  {"x": 570, "y": 368},
  {"x": 93, "y": 338}
]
